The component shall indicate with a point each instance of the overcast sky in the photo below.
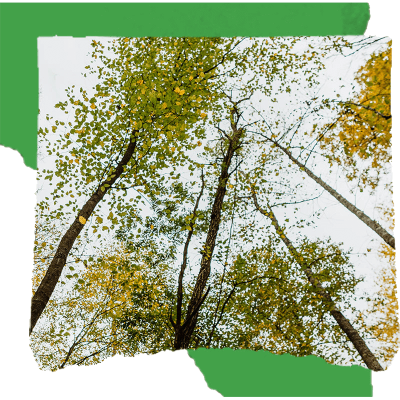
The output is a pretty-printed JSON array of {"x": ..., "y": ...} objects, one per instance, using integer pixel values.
[{"x": 61, "y": 60}]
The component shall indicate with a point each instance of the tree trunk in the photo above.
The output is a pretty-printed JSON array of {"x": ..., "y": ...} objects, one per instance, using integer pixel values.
[
  {"x": 358, "y": 342},
  {"x": 386, "y": 236},
  {"x": 184, "y": 333},
  {"x": 53, "y": 273}
]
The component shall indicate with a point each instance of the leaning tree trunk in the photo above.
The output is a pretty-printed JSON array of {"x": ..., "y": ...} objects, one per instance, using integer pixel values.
[
  {"x": 358, "y": 342},
  {"x": 53, "y": 273},
  {"x": 183, "y": 334},
  {"x": 385, "y": 235}
]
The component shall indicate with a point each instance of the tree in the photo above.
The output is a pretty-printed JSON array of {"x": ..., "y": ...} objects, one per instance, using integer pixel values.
[
  {"x": 197, "y": 298},
  {"x": 358, "y": 342}
]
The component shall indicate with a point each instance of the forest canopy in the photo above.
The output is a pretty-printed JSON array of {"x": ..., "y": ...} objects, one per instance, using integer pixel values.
[{"x": 186, "y": 201}]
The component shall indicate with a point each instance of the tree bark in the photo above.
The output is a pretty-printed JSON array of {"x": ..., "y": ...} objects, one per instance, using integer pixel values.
[
  {"x": 366, "y": 354},
  {"x": 53, "y": 273},
  {"x": 385, "y": 235}
]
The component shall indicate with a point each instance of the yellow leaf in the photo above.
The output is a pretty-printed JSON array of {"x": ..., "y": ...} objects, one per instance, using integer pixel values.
[
  {"x": 190, "y": 78},
  {"x": 203, "y": 115},
  {"x": 164, "y": 105},
  {"x": 82, "y": 220},
  {"x": 93, "y": 106}
]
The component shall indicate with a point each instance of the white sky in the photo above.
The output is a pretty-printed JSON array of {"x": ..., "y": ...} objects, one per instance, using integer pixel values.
[{"x": 61, "y": 61}]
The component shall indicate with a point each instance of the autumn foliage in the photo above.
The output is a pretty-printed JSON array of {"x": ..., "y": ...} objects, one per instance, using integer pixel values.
[{"x": 363, "y": 128}]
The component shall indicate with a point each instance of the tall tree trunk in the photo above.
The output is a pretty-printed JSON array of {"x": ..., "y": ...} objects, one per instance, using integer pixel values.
[
  {"x": 184, "y": 333},
  {"x": 385, "y": 235},
  {"x": 53, "y": 273},
  {"x": 179, "y": 297},
  {"x": 358, "y": 342}
]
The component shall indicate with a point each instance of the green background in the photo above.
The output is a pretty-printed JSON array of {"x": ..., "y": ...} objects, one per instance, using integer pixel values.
[{"x": 231, "y": 373}]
